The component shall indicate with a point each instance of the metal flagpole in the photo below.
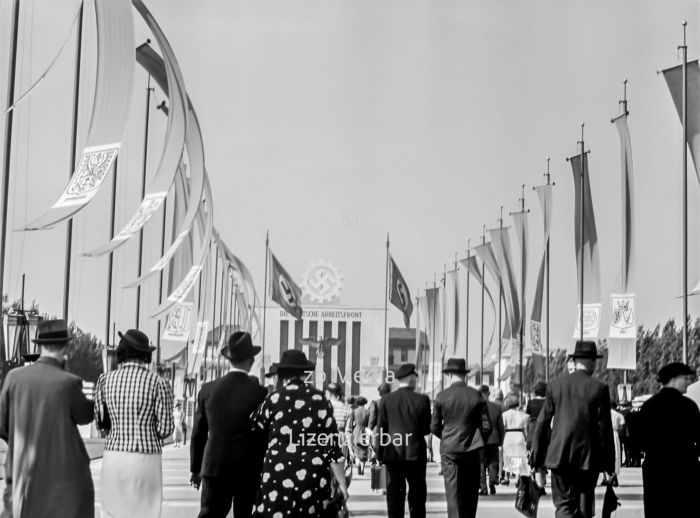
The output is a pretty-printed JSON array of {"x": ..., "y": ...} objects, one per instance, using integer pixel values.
[
  {"x": 7, "y": 152},
  {"x": 432, "y": 363},
  {"x": 386, "y": 309},
  {"x": 419, "y": 356},
  {"x": 160, "y": 282},
  {"x": 265, "y": 288},
  {"x": 73, "y": 147},
  {"x": 143, "y": 193},
  {"x": 583, "y": 214},
  {"x": 444, "y": 327},
  {"x": 546, "y": 262},
  {"x": 684, "y": 49},
  {"x": 223, "y": 298},
  {"x": 110, "y": 260},
  {"x": 483, "y": 289},
  {"x": 500, "y": 311},
  {"x": 213, "y": 313},
  {"x": 523, "y": 257},
  {"x": 469, "y": 253}
]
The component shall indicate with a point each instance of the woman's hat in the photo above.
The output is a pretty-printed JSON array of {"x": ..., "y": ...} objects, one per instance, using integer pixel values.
[
  {"x": 405, "y": 370},
  {"x": 670, "y": 371},
  {"x": 52, "y": 332},
  {"x": 136, "y": 340},
  {"x": 240, "y": 347},
  {"x": 456, "y": 365},
  {"x": 272, "y": 372},
  {"x": 294, "y": 360},
  {"x": 586, "y": 349}
]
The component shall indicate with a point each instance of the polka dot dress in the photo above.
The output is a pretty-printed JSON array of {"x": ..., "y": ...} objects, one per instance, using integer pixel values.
[{"x": 302, "y": 442}]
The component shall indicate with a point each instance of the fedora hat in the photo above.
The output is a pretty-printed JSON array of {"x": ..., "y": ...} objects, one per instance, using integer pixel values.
[
  {"x": 585, "y": 349},
  {"x": 456, "y": 365},
  {"x": 240, "y": 347},
  {"x": 136, "y": 340},
  {"x": 52, "y": 332},
  {"x": 272, "y": 372},
  {"x": 294, "y": 360},
  {"x": 405, "y": 370}
]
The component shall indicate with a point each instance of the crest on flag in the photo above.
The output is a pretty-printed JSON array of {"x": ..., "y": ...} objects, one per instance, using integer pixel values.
[
  {"x": 177, "y": 324},
  {"x": 200, "y": 336},
  {"x": 399, "y": 294},
  {"x": 623, "y": 320},
  {"x": 591, "y": 321},
  {"x": 536, "y": 337},
  {"x": 284, "y": 290}
]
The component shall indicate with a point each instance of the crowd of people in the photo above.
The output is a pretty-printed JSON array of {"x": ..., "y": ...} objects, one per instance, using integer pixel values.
[{"x": 289, "y": 450}]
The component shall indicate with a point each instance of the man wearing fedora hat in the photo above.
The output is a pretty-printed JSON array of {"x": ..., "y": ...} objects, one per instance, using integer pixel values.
[
  {"x": 402, "y": 423},
  {"x": 226, "y": 452},
  {"x": 461, "y": 421},
  {"x": 577, "y": 409},
  {"x": 670, "y": 426},
  {"x": 47, "y": 468}
]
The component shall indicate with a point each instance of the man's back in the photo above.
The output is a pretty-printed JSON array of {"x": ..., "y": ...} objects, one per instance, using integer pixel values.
[
  {"x": 581, "y": 430},
  {"x": 404, "y": 419},
  {"x": 222, "y": 432},
  {"x": 459, "y": 412}
]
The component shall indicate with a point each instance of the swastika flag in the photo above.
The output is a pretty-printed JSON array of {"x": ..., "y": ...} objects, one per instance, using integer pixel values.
[
  {"x": 284, "y": 290},
  {"x": 398, "y": 292}
]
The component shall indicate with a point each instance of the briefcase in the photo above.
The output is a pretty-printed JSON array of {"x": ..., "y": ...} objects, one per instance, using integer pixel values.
[{"x": 378, "y": 478}]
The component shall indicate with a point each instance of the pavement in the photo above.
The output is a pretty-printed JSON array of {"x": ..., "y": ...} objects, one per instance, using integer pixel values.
[{"x": 181, "y": 500}]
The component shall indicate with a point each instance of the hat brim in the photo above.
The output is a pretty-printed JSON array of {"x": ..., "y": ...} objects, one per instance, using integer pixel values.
[
  {"x": 48, "y": 341},
  {"x": 310, "y": 366},
  {"x": 135, "y": 344},
  {"x": 589, "y": 356},
  {"x": 456, "y": 371},
  {"x": 253, "y": 352},
  {"x": 406, "y": 375}
]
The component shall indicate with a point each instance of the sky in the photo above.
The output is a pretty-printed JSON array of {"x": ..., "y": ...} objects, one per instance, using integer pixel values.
[{"x": 330, "y": 123}]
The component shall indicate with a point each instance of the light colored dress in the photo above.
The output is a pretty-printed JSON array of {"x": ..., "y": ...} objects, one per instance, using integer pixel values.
[
  {"x": 618, "y": 423},
  {"x": 178, "y": 416},
  {"x": 514, "y": 443}
]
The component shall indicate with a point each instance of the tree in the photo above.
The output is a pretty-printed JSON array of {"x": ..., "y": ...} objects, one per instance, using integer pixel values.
[{"x": 84, "y": 356}]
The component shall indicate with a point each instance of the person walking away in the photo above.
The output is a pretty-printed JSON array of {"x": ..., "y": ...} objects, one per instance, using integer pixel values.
[
  {"x": 618, "y": 425},
  {"x": 178, "y": 421},
  {"x": 135, "y": 407},
  {"x": 47, "y": 469},
  {"x": 515, "y": 459},
  {"x": 533, "y": 409},
  {"x": 498, "y": 399},
  {"x": 382, "y": 390},
  {"x": 226, "y": 451},
  {"x": 670, "y": 438},
  {"x": 403, "y": 423},
  {"x": 461, "y": 421},
  {"x": 303, "y": 453},
  {"x": 494, "y": 442},
  {"x": 577, "y": 411},
  {"x": 356, "y": 428}
]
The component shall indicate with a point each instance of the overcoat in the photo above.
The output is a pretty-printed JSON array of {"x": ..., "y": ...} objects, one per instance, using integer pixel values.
[
  {"x": 403, "y": 422},
  {"x": 47, "y": 464}
]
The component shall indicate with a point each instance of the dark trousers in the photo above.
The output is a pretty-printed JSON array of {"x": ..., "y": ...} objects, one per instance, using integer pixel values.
[
  {"x": 489, "y": 463},
  {"x": 573, "y": 493},
  {"x": 462, "y": 472},
  {"x": 219, "y": 492},
  {"x": 397, "y": 474}
]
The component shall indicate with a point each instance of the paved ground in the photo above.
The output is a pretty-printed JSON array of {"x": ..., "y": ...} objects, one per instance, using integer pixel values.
[{"x": 181, "y": 500}]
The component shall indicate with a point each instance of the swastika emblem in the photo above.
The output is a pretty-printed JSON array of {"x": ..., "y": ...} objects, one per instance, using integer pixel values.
[{"x": 321, "y": 282}]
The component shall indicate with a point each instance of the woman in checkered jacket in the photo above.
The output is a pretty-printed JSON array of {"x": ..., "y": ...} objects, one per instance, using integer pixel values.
[{"x": 135, "y": 407}]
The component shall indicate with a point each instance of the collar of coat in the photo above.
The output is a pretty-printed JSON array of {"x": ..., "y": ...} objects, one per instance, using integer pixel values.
[{"x": 49, "y": 360}]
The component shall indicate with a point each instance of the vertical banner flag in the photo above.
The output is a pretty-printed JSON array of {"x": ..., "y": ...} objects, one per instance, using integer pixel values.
[
  {"x": 520, "y": 224},
  {"x": 398, "y": 292},
  {"x": 622, "y": 339},
  {"x": 452, "y": 311},
  {"x": 544, "y": 193},
  {"x": 177, "y": 324},
  {"x": 591, "y": 321},
  {"x": 284, "y": 290},
  {"x": 422, "y": 353},
  {"x": 434, "y": 326},
  {"x": 473, "y": 268},
  {"x": 501, "y": 246},
  {"x": 589, "y": 254}
]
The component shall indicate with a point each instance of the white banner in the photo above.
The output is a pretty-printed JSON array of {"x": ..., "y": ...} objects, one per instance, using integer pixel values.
[
  {"x": 623, "y": 318},
  {"x": 200, "y": 336},
  {"x": 535, "y": 338},
  {"x": 89, "y": 175},
  {"x": 177, "y": 323},
  {"x": 149, "y": 205},
  {"x": 624, "y": 393},
  {"x": 591, "y": 321},
  {"x": 186, "y": 285}
]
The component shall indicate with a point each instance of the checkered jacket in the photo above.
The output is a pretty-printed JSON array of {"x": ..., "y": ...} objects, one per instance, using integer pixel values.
[{"x": 139, "y": 408}]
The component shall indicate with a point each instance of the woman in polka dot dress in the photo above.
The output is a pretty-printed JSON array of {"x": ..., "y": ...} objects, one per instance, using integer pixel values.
[{"x": 303, "y": 451}]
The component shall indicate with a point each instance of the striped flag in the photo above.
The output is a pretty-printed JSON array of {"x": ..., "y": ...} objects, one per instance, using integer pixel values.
[
  {"x": 284, "y": 290},
  {"x": 398, "y": 292}
]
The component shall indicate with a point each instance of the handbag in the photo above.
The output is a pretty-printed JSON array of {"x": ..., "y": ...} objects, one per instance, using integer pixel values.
[
  {"x": 378, "y": 478},
  {"x": 527, "y": 497},
  {"x": 610, "y": 502}
]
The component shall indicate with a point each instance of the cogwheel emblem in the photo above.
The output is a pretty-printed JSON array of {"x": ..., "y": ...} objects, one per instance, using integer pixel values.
[{"x": 321, "y": 282}]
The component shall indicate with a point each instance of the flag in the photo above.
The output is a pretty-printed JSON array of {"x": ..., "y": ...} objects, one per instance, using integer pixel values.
[
  {"x": 589, "y": 254},
  {"x": 398, "y": 292},
  {"x": 452, "y": 309},
  {"x": 591, "y": 321},
  {"x": 434, "y": 325},
  {"x": 177, "y": 323},
  {"x": 622, "y": 340},
  {"x": 284, "y": 290},
  {"x": 501, "y": 246},
  {"x": 520, "y": 220},
  {"x": 473, "y": 268},
  {"x": 544, "y": 193}
]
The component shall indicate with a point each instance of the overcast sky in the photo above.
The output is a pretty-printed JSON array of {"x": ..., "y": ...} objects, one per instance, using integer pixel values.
[{"x": 331, "y": 123}]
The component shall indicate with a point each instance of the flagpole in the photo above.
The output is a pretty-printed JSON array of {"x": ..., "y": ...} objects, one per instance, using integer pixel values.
[
  {"x": 110, "y": 260},
  {"x": 432, "y": 363},
  {"x": 500, "y": 312},
  {"x": 469, "y": 254},
  {"x": 222, "y": 302},
  {"x": 74, "y": 140},
  {"x": 483, "y": 289},
  {"x": 419, "y": 365},
  {"x": 444, "y": 327},
  {"x": 684, "y": 50},
  {"x": 386, "y": 308},
  {"x": 523, "y": 258},
  {"x": 265, "y": 288},
  {"x": 213, "y": 312},
  {"x": 546, "y": 262},
  {"x": 7, "y": 152},
  {"x": 160, "y": 280},
  {"x": 581, "y": 223}
]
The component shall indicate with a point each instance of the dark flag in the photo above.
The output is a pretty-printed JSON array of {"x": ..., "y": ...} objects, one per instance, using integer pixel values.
[
  {"x": 284, "y": 290},
  {"x": 398, "y": 292}
]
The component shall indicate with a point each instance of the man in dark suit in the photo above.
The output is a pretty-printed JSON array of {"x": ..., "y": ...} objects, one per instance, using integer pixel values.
[
  {"x": 581, "y": 444},
  {"x": 226, "y": 454},
  {"x": 461, "y": 422},
  {"x": 402, "y": 424},
  {"x": 491, "y": 451}
]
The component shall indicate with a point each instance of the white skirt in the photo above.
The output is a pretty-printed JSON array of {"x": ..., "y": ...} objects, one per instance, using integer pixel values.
[{"x": 131, "y": 485}]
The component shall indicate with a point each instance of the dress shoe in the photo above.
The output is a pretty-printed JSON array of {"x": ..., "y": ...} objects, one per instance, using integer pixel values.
[
  {"x": 483, "y": 492},
  {"x": 492, "y": 490}
]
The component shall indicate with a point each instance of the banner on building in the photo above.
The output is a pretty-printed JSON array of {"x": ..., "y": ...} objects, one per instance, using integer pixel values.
[
  {"x": 177, "y": 323},
  {"x": 591, "y": 321}
]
